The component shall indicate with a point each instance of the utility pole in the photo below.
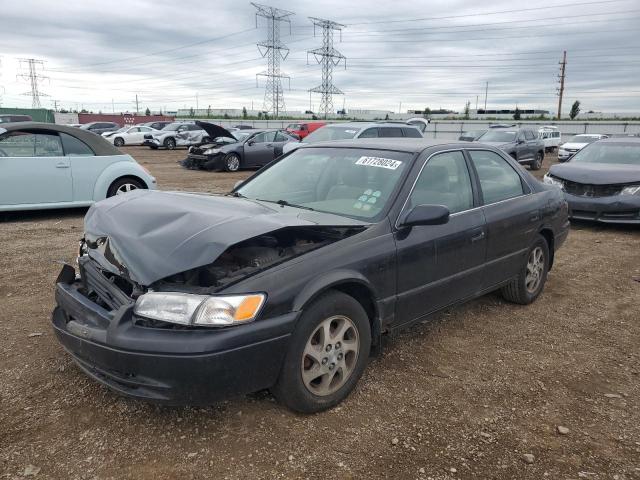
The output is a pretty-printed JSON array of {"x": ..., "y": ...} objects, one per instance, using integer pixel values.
[
  {"x": 328, "y": 57},
  {"x": 33, "y": 77},
  {"x": 563, "y": 65},
  {"x": 400, "y": 108},
  {"x": 55, "y": 105},
  {"x": 476, "y": 104},
  {"x": 137, "y": 104},
  {"x": 197, "y": 105},
  {"x": 275, "y": 51},
  {"x": 486, "y": 93},
  {"x": 113, "y": 106}
]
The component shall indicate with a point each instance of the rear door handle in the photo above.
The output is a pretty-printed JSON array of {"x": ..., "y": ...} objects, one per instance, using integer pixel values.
[{"x": 62, "y": 165}]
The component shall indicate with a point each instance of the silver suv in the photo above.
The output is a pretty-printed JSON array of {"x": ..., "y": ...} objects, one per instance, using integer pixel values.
[{"x": 347, "y": 131}]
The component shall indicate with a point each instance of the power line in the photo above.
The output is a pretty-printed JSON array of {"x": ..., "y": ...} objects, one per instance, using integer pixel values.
[
  {"x": 328, "y": 57},
  {"x": 531, "y": 9},
  {"x": 274, "y": 50}
]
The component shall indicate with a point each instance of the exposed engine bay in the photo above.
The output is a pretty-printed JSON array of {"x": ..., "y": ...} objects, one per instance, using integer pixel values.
[{"x": 254, "y": 255}]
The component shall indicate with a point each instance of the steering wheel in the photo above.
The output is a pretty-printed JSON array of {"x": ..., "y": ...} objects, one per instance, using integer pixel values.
[{"x": 3, "y": 153}]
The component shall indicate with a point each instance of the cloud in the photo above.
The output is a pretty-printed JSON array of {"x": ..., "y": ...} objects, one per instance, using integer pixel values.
[{"x": 168, "y": 52}]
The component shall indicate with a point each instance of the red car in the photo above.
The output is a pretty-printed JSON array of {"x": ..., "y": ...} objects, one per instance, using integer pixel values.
[{"x": 304, "y": 129}]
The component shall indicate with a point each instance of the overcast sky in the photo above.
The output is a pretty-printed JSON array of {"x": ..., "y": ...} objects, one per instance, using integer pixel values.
[{"x": 436, "y": 54}]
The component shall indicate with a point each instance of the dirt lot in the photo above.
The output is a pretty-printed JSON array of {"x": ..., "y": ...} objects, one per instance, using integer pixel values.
[{"x": 466, "y": 395}]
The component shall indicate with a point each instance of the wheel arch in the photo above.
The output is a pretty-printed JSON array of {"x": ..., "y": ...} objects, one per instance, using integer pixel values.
[
  {"x": 113, "y": 173},
  {"x": 350, "y": 283},
  {"x": 547, "y": 234}
]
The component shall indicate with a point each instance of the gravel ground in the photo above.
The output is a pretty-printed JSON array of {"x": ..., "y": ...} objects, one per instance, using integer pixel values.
[{"x": 488, "y": 390}]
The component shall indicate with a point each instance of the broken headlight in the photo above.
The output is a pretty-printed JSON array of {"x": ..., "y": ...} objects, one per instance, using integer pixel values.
[
  {"x": 199, "y": 310},
  {"x": 549, "y": 180}
]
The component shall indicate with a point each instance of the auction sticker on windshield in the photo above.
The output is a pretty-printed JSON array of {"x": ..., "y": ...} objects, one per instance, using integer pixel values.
[{"x": 379, "y": 162}]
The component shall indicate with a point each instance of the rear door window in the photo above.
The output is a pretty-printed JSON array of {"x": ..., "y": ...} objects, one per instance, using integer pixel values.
[
  {"x": 529, "y": 135},
  {"x": 498, "y": 179}
]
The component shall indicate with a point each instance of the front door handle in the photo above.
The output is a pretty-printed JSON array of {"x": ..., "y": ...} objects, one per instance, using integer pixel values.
[
  {"x": 477, "y": 237},
  {"x": 534, "y": 217},
  {"x": 62, "y": 165}
]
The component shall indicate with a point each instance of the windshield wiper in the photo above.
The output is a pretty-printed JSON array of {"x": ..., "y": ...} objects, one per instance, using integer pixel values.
[
  {"x": 236, "y": 194},
  {"x": 284, "y": 203}
]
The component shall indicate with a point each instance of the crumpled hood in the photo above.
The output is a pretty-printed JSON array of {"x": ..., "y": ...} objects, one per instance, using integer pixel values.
[
  {"x": 156, "y": 234},
  {"x": 214, "y": 131},
  {"x": 596, "y": 173}
]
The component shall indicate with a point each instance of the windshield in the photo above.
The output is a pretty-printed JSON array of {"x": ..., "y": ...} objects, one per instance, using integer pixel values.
[
  {"x": 583, "y": 139},
  {"x": 498, "y": 136},
  {"x": 240, "y": 135},
  {"x": 612, "y": 153},
  {"x": 331, "y": 133},
  {"x": 356, "y": 183}
]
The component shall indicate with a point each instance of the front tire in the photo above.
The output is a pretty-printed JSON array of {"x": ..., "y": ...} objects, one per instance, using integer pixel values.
[
  {"x": 328, "y": 353},
  {"x": 124, "y": 185},
  {"x": 232, "y": 162},
  {"x": 170, "y": 143},
  {"x": 529, "y": 283},
  {"x": 118, "y": 141}
]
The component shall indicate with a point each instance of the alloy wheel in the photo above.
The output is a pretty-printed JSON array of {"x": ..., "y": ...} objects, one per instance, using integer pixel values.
[
  {"x": 330, "y": 355},
  {"x": 535, "y": 270},
  {"x": 233, "y": 163},
  {"x": 125, "y": 188}
]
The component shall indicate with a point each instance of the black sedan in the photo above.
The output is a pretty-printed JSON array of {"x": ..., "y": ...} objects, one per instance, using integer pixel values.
[
  {"x": 602, "y": 181},
  {"x": 253, "y": 149},
  {"x": 291, "y": 281}
]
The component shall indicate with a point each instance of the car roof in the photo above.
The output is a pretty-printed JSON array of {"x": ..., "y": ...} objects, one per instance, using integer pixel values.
[
  {"x": 361, "y": 125},
  {"x": 629, "y": 139},
  {"x": 99, "y": 145},
  {"x": 400, "y": 144}
]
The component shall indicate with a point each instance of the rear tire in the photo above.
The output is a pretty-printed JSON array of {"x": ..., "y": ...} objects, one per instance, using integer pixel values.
[
  {"x": 529, "y": 283},
  {"x": 537, "y": 161},
  {"x": 170, "y": 143},
  {"x": 327, "y": 355},
  {"x": 124, "y": 185}
]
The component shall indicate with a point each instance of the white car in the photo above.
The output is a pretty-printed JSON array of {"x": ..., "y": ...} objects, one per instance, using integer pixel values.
[
  {"x": 54, "y": 166},
  {"x": 576, "y": 143},
  {"x": 128, "y": 135},
  {"x": 551, "y": 137},
  {"x": 177, "y": 134}
]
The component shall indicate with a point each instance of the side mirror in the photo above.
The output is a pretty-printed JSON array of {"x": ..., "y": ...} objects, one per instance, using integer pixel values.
[
  {"x": 520, "y": 141},
  {"x": 426, "y": 215},
  {"x": 250, "y": 142}
]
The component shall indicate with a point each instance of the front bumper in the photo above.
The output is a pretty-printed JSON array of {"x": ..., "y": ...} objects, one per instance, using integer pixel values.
[
  {"x": 153, "y": 142},
  {"x": 206, "y": 162},
  {"x": 175, "y": 367},
  {"x": 614, "y": 209}
]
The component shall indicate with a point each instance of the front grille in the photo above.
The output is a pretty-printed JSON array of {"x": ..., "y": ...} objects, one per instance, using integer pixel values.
[
  {"x": 585, "y": 190},
  {"x": 104, "y": 288}
]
